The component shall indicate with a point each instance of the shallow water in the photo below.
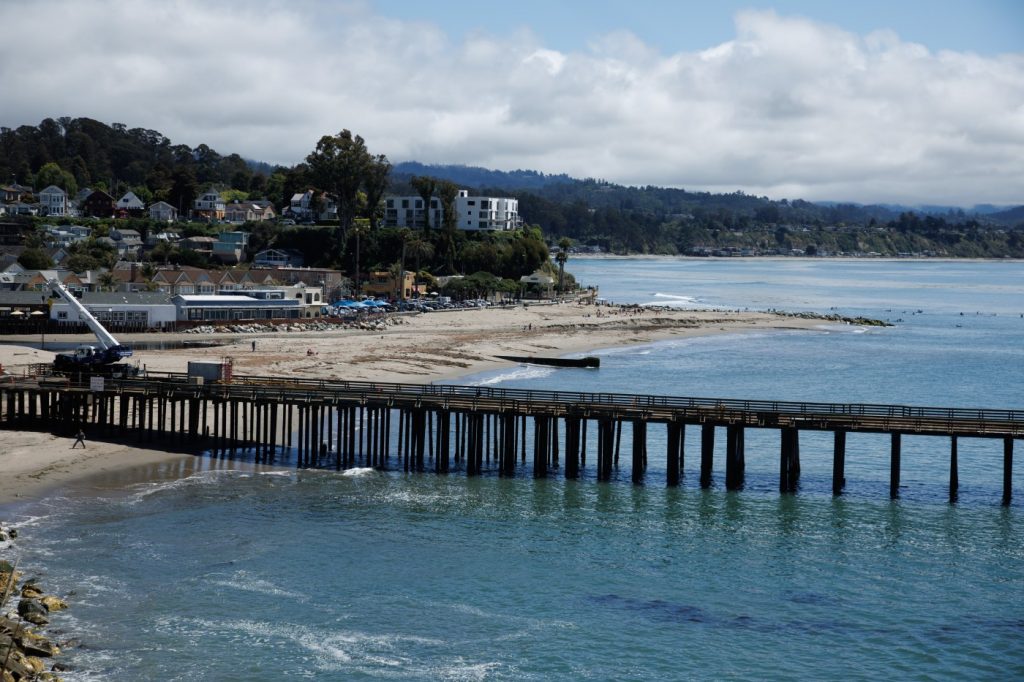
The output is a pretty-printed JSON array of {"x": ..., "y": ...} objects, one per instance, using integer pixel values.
[{"x": 232, "y": 572}]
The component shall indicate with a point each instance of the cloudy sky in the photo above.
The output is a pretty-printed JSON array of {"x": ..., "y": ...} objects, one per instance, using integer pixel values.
[{"x": 918, "y": 103}]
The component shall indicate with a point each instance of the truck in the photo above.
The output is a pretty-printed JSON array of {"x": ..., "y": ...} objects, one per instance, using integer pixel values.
[{"x": 100, "y": 358}]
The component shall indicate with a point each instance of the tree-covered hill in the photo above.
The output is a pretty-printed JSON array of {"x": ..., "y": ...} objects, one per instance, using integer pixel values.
[{"x": 81, "y": 152}]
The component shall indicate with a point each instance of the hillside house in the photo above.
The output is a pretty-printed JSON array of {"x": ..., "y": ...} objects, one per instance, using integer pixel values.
[
  {"x": 53, "y": 201},
  {"x": 163, "y": 212}
]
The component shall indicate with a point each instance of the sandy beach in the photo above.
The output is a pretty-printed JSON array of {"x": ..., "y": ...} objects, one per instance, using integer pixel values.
[{"x": 411, "y": 348}]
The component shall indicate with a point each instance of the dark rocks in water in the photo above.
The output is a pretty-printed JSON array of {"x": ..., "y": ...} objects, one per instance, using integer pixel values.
[
  {"x": 37, "y": 645},
  {"x": 32, "y": 611},
  {"x": 656, "y": 609}
]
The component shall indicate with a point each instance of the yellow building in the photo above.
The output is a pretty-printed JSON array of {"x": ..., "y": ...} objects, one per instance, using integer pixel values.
[{"x": 383, "y": 284}]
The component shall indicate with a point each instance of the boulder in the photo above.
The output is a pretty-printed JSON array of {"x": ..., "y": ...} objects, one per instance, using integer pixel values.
[
  {"x": 31, "y": 591},
  {"x": 52, "y": 603},
  {"x": 32, "y": 611},
  {"x": 37, "y": 645}
]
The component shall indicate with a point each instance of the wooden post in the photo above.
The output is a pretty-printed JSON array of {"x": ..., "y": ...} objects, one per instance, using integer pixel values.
[
  {"x": 839, "y": 462},
  {"x": 894, "y": 467},
  {"x": 672, "y": 453},
  {"x": 735, "y": 461},
  {"x": 1007, "y": 470},
  {"x": 542, "y": 442},
  {"x": 639, "y": 443},
  {"x": 707, "y": 452},
  {"x": 572, "y": 447},
  {"x": 789, "y": 460},
  {"x": 954, "y": 472}
]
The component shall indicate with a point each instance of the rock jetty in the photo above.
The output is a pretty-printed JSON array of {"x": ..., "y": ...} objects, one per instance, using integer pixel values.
[{"x": 23, "y": 650}]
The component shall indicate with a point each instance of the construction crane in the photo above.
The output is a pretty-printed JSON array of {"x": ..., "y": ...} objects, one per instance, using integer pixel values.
[{"x": 97, "y": 359}]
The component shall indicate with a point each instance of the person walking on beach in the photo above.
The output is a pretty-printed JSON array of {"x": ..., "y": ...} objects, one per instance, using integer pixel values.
[
  {"x": 79, "y": 438},
  {"x": 254, "y": 345}
]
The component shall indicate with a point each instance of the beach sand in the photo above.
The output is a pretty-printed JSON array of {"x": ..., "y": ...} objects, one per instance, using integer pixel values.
[{"x": 414, "y": 349}]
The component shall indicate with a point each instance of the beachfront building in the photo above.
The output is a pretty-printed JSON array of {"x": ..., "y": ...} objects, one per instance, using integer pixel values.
[
  {"x": 474, "y": 213},
  {"x": 271, "y": 305},
  {"x": 384, "y": 284},
  {"x": 120, "y": 311}
]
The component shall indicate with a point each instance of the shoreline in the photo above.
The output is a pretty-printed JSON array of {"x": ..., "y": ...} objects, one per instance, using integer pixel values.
[{"x": 418, "y": 349}]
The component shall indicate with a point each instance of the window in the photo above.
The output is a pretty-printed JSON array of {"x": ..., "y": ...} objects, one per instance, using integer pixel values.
[
  {"x": 470, "y": 203},
  {"x": 405, "y": 203}
]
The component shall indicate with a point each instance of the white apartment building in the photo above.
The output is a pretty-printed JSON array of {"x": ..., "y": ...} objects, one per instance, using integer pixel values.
[{"x": 473, "y": 212}]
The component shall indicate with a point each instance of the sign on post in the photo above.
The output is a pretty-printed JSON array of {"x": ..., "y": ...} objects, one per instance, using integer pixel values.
[{"x": 96, "y": 384}]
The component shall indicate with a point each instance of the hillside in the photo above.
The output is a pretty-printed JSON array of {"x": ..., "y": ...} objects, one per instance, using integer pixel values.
[{"x": 81, "y": 152}]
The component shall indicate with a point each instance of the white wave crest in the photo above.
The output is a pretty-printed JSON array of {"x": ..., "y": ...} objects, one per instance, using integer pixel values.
[
  {"x": 515, "y": 374},
  {"x": 360, "y": 472},
  {"x": 242, "y": 580}
]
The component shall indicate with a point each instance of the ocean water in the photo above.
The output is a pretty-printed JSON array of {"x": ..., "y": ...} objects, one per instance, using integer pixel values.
[{"x": 220, "y": 570}]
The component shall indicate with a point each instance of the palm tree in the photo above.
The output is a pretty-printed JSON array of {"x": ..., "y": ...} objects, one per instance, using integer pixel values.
[
  {"x": 359, "y": 229},
  {"x": 419, "y": 248},
  {"x": 562, "y": 256},
  {"x": 405, "y": 234},
  {"x": 107, "y": 281}
]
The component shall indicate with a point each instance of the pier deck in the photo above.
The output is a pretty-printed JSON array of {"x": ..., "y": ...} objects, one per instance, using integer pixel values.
[{"x": 345, "y": 422}]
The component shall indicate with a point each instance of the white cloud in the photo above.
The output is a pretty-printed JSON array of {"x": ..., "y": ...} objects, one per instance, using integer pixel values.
[{"x": 789, "y": 107}]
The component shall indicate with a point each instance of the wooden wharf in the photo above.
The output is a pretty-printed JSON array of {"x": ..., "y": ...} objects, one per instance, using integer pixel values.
[{"x": 347, "y": 423}]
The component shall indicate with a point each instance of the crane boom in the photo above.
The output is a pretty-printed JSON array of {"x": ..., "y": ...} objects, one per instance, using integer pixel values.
[{"x": 110, "y": 350}]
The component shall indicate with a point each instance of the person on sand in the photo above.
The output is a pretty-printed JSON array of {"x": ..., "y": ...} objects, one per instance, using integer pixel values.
[
  {"x": 254, "y": 345},
  {"x": 79, "y": 438}
]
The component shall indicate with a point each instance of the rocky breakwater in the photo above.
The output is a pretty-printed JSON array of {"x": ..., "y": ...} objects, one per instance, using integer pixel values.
[
  {"x": 23, "y": 650},
  {"x": 365, "y": 324},
  {"x": 833, "y": 317}
]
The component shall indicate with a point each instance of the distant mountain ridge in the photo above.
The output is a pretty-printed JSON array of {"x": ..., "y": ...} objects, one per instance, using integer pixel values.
[{"x": 477, "y": 177}]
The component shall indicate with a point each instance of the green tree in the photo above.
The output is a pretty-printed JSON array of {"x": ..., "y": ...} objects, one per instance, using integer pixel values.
[
  {"x": 339, "y": 165},
  {"x": 447, "y": 192},
  {"x": 107, "y": 281},
  {"x": 359, "y": 230},
  {"x": 562, "y": 256},
  {"x": 35, "y": 258},
  {"x": 184, "y": 189},
  {"x": 375, "y": 183},
  {"x": 419, "y": 249},
  {"x": 52, "y": 174},
  {"x": 424, "y": 186}
]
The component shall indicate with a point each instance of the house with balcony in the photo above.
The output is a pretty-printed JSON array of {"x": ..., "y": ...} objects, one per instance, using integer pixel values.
[
  {"x": 230, "y": 246},
  {"x": 278, "y": 258},
  {"x": 127, "y": 241},
  {"x": 53, "y": 201},
  {"x": 310, "y": 206},
  {"x": 208, "y": 206}
]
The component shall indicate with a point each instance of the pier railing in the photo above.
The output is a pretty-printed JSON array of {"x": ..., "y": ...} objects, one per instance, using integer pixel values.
[
  {"x": 980, "y": 422},
  {"x": 351, "y": 421}
]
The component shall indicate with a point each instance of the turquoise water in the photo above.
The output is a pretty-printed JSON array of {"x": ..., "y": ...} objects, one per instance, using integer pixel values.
[{"x": 223, "y": 572}]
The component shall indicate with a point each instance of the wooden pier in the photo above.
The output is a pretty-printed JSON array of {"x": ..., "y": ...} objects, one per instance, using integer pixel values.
[{"x": 476, "y": 429}]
